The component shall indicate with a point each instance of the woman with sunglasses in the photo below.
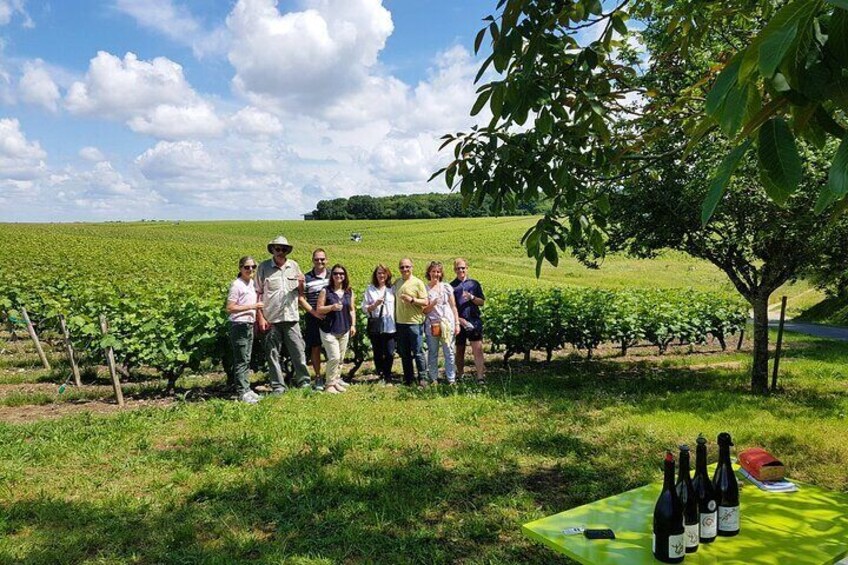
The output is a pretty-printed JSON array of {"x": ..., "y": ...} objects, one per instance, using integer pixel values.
[
  {"x": 242, "y": 306},
  {"x": 442, "y": 323},
  {"x": 336, "y": 304},
  {"x": 378, "y": 304}
]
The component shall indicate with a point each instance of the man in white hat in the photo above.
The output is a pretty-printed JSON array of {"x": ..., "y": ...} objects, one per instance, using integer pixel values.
[{"x": 280, "y": 284}]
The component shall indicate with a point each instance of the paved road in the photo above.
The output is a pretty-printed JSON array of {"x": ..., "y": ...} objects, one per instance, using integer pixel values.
[{"x": 816, "y": 330}]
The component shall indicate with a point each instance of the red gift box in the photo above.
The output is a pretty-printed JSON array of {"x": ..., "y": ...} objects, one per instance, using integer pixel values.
[{"x": 761, "y": 464}]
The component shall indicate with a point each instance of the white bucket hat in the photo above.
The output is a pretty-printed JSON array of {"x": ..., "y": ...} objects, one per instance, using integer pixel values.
[{"x": 279, "y": 240}]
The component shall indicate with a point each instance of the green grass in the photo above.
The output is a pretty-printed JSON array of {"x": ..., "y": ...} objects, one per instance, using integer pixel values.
[{"x": 392, "y": 475}]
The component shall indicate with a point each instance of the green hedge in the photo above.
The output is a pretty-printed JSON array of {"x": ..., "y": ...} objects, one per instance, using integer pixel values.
[{"x": 521, "y": 321}]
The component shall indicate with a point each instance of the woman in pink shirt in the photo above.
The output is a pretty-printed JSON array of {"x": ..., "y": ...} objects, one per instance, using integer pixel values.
[{"x": 242, "y": 306}]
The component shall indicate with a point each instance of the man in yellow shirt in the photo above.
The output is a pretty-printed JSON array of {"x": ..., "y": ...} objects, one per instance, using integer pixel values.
[{"x": 411, "y": 299}]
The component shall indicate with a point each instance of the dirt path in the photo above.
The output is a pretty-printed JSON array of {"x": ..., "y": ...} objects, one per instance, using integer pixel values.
[{"x": 815, "y": 330}]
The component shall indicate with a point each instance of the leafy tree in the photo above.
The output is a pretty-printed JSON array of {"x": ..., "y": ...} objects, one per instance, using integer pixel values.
[
  {"x": 363, "y": 206},
  {"x": 335, "y": 209},
  {"x": 558, "y": 103}
]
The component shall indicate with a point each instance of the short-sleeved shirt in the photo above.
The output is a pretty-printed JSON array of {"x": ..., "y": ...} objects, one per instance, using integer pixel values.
[
  {"x": 466, "y": 308},
  {"x": 314, "y": 284},
  {"x": 242, "y": 294},
  {"x": 279, "y": 289},
  {"x": 409, "y": 313},
  {"x": 440, "y": 296}
]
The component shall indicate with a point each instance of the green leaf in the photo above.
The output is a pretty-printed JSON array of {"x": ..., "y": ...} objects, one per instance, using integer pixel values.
[
  {"x": 497, "y": 100},
  {"x": 780, "y": 165},
  {"x": 721, "y": 178},
  {"x": 479, "y": 40},
  {"x": 838, "y": 3},
  {"x": 837, "y": 178},
  {"x": 551, "y": 254},
  {"x": 733, "y": 110},
  {"x": 619, "y": 25},
  {"x": 775, "y": 47},
  {"x": 724, "y": 83},
  {"x": 837, "y": 37},
  {"x": 481, "y": 101}
]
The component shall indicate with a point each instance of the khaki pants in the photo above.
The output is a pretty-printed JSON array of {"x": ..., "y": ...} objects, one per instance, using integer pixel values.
[
  {"x": 335, "y": 346},
  {"x": 285, "y": 334}
]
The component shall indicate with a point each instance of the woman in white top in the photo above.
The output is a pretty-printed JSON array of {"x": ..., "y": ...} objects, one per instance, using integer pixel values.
[
  {"x": 442, "y": 323},
  {"x": 378, "y": 304},
  {"x": 242, "y": 306}
]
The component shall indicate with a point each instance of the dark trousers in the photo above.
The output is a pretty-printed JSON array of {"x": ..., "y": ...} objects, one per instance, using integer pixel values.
[
  {"x": 241, "y": 340},
  {"x": 384, "y": 354},
  {"x": 410, "y": 345}
]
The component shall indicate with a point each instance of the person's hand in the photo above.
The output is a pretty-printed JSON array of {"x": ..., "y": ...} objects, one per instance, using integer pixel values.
[
  {"x": 378, "y": 302},
  {"x": 352, "y": 331},
  {"x": 263, "y": 325},
  {"x": 258, "y": 305},
  {"x": 456, "y": 329},
  {"x": 467, "y": 295},
  {"x": 407, "y": 298},
  {"x": 301, "y": 283},
  {"x": 338, "y": 307}
]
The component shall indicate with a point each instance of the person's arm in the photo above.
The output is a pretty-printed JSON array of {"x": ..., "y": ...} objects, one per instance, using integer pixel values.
[
  {"x": 259, "y": 282},
  {"x": 478, "y": 298},
  {"x": 322, "y": 306},
  {"x": 352, "y": 315},
  {"x": 233, "y": 308},
  {"x": 455, "y": 312}
]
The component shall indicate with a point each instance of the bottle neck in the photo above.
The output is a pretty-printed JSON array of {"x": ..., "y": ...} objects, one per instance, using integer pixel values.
[
  {"x": 668, "y": 481},
  {"x": 684, "y": 467},
  {"x": 724, "y": 454},
  {"x": 701, "y": 460}
]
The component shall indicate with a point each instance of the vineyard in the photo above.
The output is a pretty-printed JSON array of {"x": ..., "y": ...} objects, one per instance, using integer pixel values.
[{"x": 164, "y": 299}]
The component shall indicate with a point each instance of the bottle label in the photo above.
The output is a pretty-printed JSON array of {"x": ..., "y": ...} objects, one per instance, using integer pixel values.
[
  {"x": 728, "y": 518},
  {"x": 708, "y": 525},
  {"x": 691, "y": 534},
  {"x": 676, "y": 545}
]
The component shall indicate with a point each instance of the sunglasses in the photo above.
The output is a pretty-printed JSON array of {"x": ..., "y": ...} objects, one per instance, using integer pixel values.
[
  {"x": 278, "y": 248},
  {"x": 462, "y": 268},
  {"x": 405, "y": 268},
  {"x": 249, "y": 267},
  {"x": 320, "y": 259}
]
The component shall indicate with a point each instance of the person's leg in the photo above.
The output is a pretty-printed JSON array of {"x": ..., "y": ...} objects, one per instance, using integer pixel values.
[
  {"x": 460, "y": 353},
  {"x": 343, "y": 340},
  {"x": 417, "y": 348},
  {"x": 378, "y": 351},
  {"x": 389, "y": 343},
  {"x": 273, "y": 344},
  {"x": 331, "y": 346},
  {"x": 448, "y": 351},
  {"x": 297, "y": 353},
  {"x": 404, "y": 345},
  {"x": 432, "y": 355},
  {"x": 241, "y": 338},
  {"x": 477, "y": 350}
]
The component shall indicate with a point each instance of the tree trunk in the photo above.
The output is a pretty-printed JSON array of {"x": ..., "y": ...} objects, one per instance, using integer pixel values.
[{"x": 759, "y": 373}]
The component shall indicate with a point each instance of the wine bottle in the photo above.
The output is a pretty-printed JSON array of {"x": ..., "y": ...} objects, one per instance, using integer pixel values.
[
  {"x": 667, "y": 542},
  {"x": 726, "y": 489},
  {"x": 707, "y": 506},
  {"x": 689, "y": 500}
]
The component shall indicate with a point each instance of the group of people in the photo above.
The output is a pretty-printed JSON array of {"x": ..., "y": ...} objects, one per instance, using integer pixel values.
[{"x": 399, "y": 315}]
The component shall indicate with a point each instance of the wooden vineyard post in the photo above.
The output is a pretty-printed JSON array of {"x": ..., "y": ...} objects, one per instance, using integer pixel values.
[
  {"x": 779, "y": 344},
  {"x": 110, "y": 359},
  {"x": 741, "y": 339},
  {"x": 69, "y": 348},
  {"x": 34, "y": 337}
]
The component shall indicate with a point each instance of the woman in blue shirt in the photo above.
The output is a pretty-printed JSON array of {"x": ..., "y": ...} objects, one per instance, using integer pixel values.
[{"x": 339, "y": 324}]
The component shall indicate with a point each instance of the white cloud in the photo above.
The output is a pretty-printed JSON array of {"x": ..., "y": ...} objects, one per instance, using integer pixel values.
[
  {"x": 8, "y": 8},
  {"x": 92, "y": 154},
  {"x": 20, "y": 159},
  {"x": 183, "y": 161},
  {"x": 178, "y": 122},
  {"x": 116, "y": 88},
  {"x": 253, "y": 122},
  {"x": 152, "y": 96},
  {"x": 37, "y": 87},
  {"x": 307, "y": 58},
  {"x": 177, "y": 23}
]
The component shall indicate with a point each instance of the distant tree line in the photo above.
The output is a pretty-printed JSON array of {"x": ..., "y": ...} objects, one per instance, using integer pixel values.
[{"x": 411, "y": 206}]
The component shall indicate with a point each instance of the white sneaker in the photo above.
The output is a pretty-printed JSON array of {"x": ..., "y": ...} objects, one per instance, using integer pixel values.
[{"x": 250, "y": 397}]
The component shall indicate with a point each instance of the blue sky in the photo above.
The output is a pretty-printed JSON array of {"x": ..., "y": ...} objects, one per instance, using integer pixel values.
[{"x": 130, "y": 109}]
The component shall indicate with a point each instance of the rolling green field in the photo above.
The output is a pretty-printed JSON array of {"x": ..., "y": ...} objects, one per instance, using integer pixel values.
[
  {"x": 380, "y": 474},
  {"x": 206, "y": 253}
]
